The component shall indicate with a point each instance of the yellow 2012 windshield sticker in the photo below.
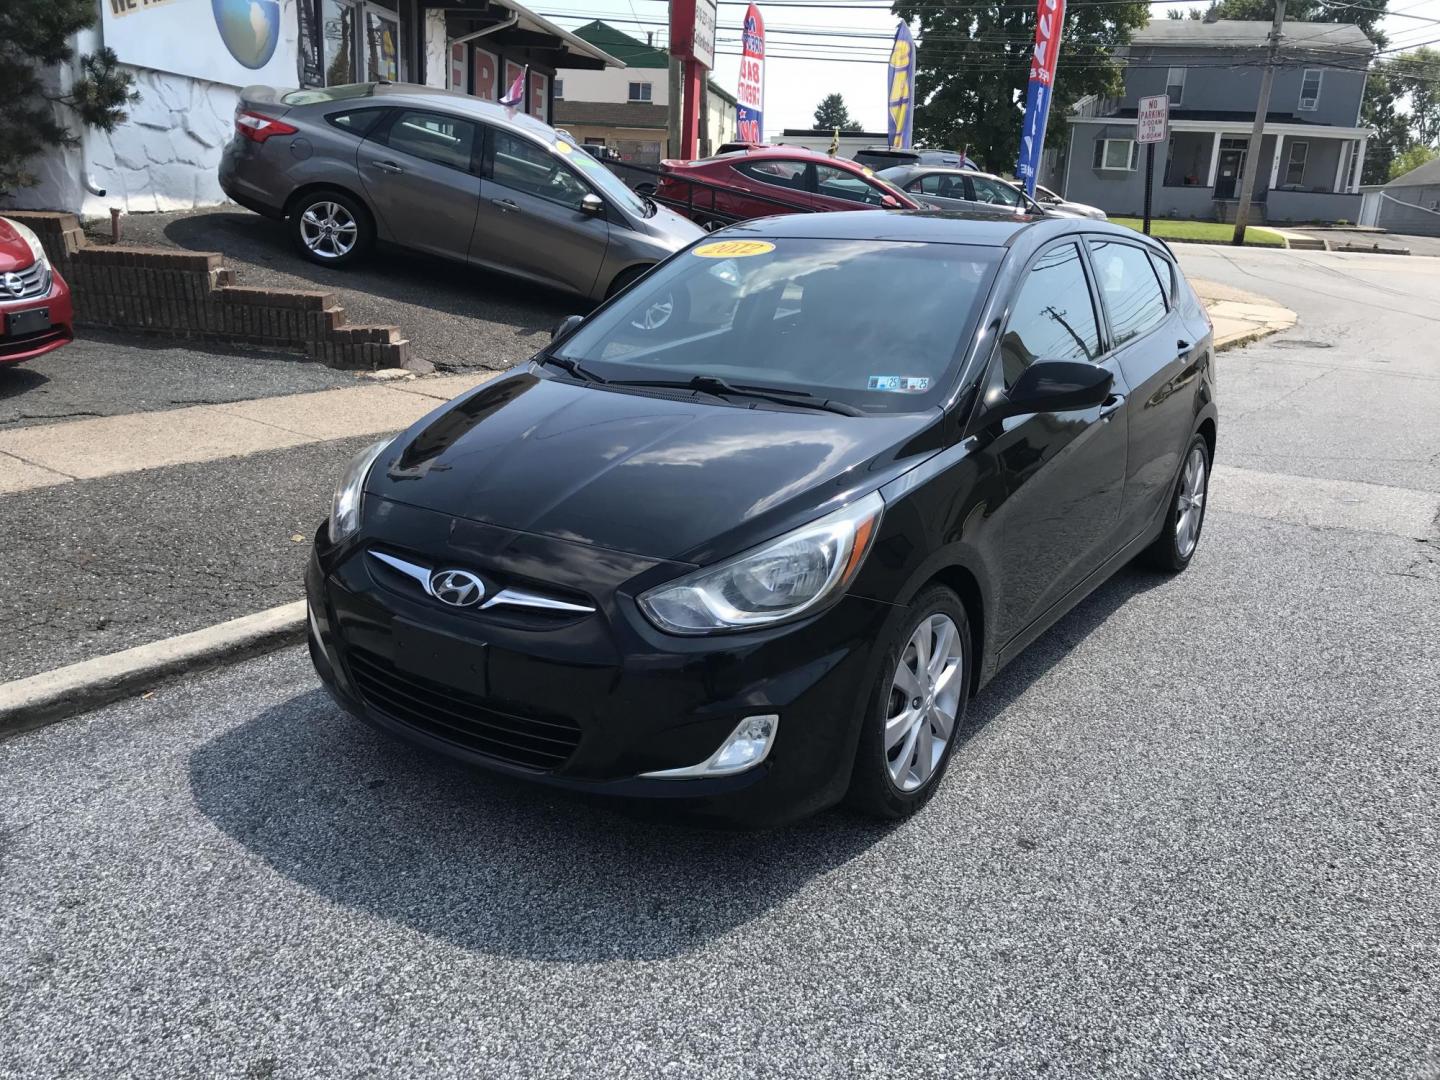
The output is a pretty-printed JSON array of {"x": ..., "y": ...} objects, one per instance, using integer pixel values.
[{"x": 733, "y": 249}]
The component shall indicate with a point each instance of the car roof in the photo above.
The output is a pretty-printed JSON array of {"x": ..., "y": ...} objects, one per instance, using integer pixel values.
[
  {"x": 926, "y": 226},
  {"x": 453, "y": 101},
  {"x": 932, "y": 227}
]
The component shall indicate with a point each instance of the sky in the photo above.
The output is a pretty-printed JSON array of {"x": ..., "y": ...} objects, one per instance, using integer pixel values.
[{"x": 794, "y": 87}]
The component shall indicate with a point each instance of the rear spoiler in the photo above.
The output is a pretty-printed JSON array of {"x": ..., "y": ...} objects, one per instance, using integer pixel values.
[{"x": 267, "y": 99}]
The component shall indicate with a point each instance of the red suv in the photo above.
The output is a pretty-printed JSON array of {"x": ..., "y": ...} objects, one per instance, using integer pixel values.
[
  {"x": 732, "y": 187},
  {"x": 34, "y": 299}
]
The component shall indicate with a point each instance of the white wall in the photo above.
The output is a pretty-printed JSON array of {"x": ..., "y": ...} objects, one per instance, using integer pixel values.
[
  {"x": 613, "y": 84},
  {"x": 165, "y": 156}
]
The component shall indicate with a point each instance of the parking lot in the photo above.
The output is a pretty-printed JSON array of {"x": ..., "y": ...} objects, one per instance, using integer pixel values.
[{"x": 1191, "y": 832}]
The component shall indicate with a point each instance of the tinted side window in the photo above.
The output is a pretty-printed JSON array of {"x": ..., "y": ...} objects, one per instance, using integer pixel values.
[
  {"x": 357, "y": 122},
  {"x": 786, "y": 174},
  {"x": 992, "y": 191},
  {"x": 445, "y": 140},
  {"x": 520, "y": 164},
  {"x": 1166, "y": 274},
  {"x": 1053, "y": 317},
  {"x": 1131, "y": 290},
  {"x": 839, "y": 184},
  {"x": 941, "y": 184}
]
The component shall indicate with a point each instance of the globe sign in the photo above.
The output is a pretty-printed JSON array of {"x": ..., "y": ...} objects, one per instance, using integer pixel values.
[{"x": 249, "y": 28}]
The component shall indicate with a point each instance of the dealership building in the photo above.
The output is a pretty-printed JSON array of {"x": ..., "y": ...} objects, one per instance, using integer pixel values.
[{"x": 191, "y": 57}]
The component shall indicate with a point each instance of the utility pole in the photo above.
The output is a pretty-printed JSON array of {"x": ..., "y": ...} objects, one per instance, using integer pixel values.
[
  {"x": 672, "y": 120},
  {"x": 1252, "y": 166}
]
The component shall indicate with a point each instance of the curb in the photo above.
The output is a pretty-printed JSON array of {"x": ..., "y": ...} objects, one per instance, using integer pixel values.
[{"x": 42, "y": 699}]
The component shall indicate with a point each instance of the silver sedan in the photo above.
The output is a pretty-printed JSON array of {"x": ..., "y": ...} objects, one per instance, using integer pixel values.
[{"x": 444, "y": 173}]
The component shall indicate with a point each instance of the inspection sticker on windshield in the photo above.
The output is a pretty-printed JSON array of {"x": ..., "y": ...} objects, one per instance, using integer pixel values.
[
  {"x": 733, "y": 249},
  {"x": 561, "y": 146},
  {"x": 899, "y": 384}
]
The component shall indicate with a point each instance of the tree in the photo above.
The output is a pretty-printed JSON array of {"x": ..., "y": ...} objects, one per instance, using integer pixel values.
[
  {"x": 973, "y": 63},
  {"x": 831, "y": 113},
  {"x": 1412, "y": 159},
  {"x": 1419, "y": 71},
  {"x": 34, "y": 36},
  {"x": 1381, "y": 111},
  {"x": 1366, "y": 16}
]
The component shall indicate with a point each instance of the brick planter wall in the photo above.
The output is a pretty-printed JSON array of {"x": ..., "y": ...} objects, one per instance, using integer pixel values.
[{"x": 190, "y": 294}]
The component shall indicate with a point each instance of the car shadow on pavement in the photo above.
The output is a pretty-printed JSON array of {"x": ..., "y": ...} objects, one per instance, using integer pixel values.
[
  {"x": 499, "y": 866},
  {"x": 16, "y": 380}
]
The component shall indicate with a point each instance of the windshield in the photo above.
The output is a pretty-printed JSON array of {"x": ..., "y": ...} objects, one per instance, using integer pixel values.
[
  {"x": 608, "y": 183},
  {"x": 878, "y": 325}
]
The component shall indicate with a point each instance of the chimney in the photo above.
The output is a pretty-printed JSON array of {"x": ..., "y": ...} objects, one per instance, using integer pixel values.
[{"x": 650, "y": 38}]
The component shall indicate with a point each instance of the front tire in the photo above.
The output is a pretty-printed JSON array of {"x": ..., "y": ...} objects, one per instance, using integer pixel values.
[
  {"x": 331, "y": 228},
  {"x": 917, "y": 710},
  {"x": 1185, "y": 517}
]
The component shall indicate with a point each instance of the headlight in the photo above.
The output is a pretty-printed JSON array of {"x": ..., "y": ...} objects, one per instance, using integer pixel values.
[
  {"x": 36, "y": 248},
  {"x": 345, "y": 507},
  {"x": 777, "y": 581}
]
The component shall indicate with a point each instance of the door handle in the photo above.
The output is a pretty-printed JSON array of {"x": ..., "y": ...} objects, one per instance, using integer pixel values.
[
  {"x": 506, "y": 204},
  {"x": 1110, "y": 406},
  {"x": 388, "y": 166}
]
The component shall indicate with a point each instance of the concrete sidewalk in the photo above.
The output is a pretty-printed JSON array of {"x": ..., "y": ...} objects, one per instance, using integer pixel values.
[
  {"x": 1240, "y": 317},
  {"x": 37, "y": 457}
]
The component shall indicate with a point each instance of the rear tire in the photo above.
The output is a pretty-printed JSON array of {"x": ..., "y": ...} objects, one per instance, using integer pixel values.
[
  {"x": 331, "y": 228},
  {"x": 1185, "y": 516},
  {"x": 901, "y": 759}
]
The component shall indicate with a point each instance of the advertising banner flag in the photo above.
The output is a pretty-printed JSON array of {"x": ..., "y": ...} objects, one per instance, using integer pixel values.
[
  {"x": 900, "y": 80},
  {"x": 750, "y": 101},
  {"x": 1050, "y": 18}
]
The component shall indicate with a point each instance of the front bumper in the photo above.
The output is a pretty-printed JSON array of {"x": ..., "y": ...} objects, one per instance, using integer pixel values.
[
  {"x": 592, "y": 702},
  {"x": 17, "y": 348}
]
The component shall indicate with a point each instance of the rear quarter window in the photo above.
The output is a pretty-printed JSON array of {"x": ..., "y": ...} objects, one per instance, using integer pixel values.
[{"x": 357, "y": 122}]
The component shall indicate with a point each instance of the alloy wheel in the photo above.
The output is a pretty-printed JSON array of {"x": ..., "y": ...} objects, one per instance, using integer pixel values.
[
  {"x": 1190, "y": 502},
  {"x": 328, "y": 229},
  {"x": 924, "y": 701}
]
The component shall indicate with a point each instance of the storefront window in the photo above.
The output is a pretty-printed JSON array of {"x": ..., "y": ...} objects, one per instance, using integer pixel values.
[
  {"x": 382, "y": 41},
  {"x": 338, "y": 23}
]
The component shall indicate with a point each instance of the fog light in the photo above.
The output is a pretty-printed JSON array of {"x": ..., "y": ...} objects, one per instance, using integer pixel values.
[{"x": 746, "y": 747}]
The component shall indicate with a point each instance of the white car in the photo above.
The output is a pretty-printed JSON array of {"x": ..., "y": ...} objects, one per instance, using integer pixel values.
[{"x": 1048, "y": 199}]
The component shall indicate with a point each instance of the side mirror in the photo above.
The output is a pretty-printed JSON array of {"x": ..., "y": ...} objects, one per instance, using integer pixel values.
[
  {"x": 1053, "y": 386},
  {"x": 592, "y": 204},
  {"x": 566, "y": 327},
  {"x": 889, "y": 202}
]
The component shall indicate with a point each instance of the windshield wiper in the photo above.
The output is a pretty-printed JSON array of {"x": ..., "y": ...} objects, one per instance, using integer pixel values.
[
  {"x": 572, "y": 367},
  {"x": 710, "y": 384}
]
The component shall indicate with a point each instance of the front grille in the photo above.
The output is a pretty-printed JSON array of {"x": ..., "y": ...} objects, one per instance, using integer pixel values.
[
  {"x": 461, "y": 718},
  {"x": 34, "y": 281}
]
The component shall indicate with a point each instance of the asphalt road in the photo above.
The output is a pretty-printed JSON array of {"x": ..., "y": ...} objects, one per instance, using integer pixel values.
[
  {"x": 1194, "y": 834},
  {"x": 455, "y": 316},
  {"x": 102, "y": 374}
]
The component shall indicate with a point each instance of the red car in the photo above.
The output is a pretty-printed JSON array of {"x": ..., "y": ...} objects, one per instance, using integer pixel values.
[
  {"x": 716, "y": 191},
  {"x": 35, "y": 313}
]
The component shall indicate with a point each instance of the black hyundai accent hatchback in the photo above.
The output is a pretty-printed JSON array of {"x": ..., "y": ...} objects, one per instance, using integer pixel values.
[{"x": 751, "y": 534}]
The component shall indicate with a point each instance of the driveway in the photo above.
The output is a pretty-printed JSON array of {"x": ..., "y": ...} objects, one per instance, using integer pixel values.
[
  {"x": 455, "y": 316},
  {"x": 1418, "y": 245}
]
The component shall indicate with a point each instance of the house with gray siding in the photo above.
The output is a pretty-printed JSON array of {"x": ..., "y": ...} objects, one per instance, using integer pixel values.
[
  {"x": 1408, "y": 204},
  {"x": 1313, "y": 149}
]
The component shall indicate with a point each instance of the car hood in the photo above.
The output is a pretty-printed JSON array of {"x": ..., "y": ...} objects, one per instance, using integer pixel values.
[
  {"x": 15, "y": 253},
  {"x": 671, "y": 229},
  {"x": 662, "y": 477}
]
